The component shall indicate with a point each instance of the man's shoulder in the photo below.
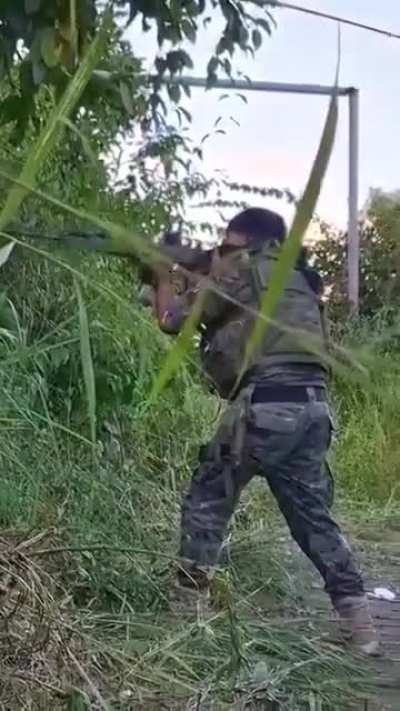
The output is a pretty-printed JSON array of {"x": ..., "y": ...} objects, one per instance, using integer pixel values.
[{"x": 235, "y": 272}]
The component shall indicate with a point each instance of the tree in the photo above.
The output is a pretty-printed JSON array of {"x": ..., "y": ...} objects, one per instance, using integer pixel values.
[
  {"x": 379, "y": 257},
  {"x": 47, "y": 38}
]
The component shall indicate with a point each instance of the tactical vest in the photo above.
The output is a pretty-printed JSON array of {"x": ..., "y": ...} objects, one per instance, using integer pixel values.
[{"x": 296, "y": 334}]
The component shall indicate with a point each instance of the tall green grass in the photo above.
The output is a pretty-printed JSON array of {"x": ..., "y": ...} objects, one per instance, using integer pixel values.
[
  {"x": 86, "y": 452},
  {"x": 368, "y": 413},
  {"x": 119, "y": 514}
]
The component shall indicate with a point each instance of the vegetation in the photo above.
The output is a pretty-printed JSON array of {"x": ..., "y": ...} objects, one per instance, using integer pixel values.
[
  {"x": 47, "y": 39},
  {"x": 91, "y": 486},
  {"x": 113, "y": 520}
]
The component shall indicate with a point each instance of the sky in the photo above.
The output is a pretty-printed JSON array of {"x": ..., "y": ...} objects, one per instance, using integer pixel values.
[{"x": 278, "y": 135}]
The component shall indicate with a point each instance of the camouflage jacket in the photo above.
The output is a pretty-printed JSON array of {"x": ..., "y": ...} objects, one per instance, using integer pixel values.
[{"x": 296, "y": 334}]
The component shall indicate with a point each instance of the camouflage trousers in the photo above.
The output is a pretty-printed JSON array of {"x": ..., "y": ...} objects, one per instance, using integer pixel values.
[{"x": 286, "y": 443}]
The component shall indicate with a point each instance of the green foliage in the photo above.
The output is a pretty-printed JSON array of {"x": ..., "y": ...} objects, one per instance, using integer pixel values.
[
  {"x": 120, "y": 515},
  {"x": 117, "y": 511},
  {"x": 87, "y": 362},
  {"x": 50, "y": 132},
  {"x": 379, "y": 258},
  {"x": 54, "y": 35},
  {"x": 291, "y": 247},
  {"x": 368, "y": 413}
]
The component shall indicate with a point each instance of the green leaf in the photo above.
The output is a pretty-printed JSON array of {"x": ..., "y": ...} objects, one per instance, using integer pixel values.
[
  {"x": 53, "y": 128},
  {"x": 189, "y": 30},
  {"x": 213, "y": 65},
  {"x": 126, "y": 98},
  {"x": 256, "y": 37},
  {"x": 102, "y": 78},
  {"x": 77, "y": 700},
  {"x": 49, "y": 47},
  {"x": 186, "y": 114},
  {"x": 174, "y": 92},
  {"x": 87, "y": 362},
  {"x": 264, "y": 24},
  {"x": 180, "y": 350},
  {"x": 74, "y": 28},
  {"x": 292, "y": 245},
  {"x": 227, "y": 66}
]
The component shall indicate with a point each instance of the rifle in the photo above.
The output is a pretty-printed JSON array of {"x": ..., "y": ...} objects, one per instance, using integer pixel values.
[{"x": 190, "y": 258}]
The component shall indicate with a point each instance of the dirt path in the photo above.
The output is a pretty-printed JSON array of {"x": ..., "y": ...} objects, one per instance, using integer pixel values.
[
  {"x": 380, "y": 561},
  {"x": 382, "y": 569}
]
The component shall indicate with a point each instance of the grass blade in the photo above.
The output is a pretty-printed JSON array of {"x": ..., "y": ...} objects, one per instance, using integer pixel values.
[
  {"x": 74, "y": 29},
  {"x": 180, "y": 349},
  {"x": 124, "y": 241},
  {"x": 128, "y": 243},
  {"x": 87, "y": 362},
  {"x": 291, "y": 247}
]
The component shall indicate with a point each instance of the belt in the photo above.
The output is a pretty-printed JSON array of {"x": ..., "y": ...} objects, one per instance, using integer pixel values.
[{"x": 288, "y": 393}]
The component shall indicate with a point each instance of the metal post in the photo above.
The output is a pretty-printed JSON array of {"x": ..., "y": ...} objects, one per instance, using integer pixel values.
[
  {"x": 353, "y": 264},
  {"x": 263, "y": 86},
  {"x": 353, "y": 245}
]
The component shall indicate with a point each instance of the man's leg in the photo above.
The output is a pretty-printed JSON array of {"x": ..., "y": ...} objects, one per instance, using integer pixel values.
[
  {"x": 298, "y": 480},
  {"x": 292, "y": 458},
  {"x": 206, "y": 510}
]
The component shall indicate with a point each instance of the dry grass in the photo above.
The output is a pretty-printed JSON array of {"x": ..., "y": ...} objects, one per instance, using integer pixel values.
[
  {"x": 40, "y": 639},
  {"x": 55, "y": 655}
]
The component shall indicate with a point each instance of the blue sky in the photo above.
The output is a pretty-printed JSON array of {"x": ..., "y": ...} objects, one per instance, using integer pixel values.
[{"x": 278, "y": 134}]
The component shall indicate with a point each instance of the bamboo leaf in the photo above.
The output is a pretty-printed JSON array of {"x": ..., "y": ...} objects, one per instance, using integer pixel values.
[
  {"x": 292, "y": 245},
  {"x": 87, "y": 361},
  {"x": 180, "y": 349},
  {"x": 74, "y": 29}
]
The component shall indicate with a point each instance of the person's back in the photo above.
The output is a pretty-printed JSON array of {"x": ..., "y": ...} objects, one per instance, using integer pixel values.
[
  {"x": 278, "y": 423},
  {"x": 294, "y": 344}
]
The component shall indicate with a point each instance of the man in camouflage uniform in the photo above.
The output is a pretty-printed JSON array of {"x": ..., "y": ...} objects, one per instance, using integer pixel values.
[{"x": 277, "y": 424}]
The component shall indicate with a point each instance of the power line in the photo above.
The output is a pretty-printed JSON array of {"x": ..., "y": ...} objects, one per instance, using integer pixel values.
[{"x": 335, "y": 18}]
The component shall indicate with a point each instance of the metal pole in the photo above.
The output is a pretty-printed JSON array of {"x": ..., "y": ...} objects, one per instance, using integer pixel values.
[
  {"x": 269, "y": 86},
  {"x": 353, "y": 249}
]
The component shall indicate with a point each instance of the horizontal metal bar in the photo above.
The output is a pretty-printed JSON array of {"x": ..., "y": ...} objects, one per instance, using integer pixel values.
[{"x": 244, "y": 85}]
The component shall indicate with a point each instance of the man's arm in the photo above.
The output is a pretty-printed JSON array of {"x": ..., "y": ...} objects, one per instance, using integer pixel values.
[
  {"x": 170, "y": 310},
  {"x": 225, "y": 288}
]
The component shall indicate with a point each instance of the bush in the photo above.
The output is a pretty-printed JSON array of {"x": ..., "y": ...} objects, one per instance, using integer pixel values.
[{"x": 368, "y": 409}]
